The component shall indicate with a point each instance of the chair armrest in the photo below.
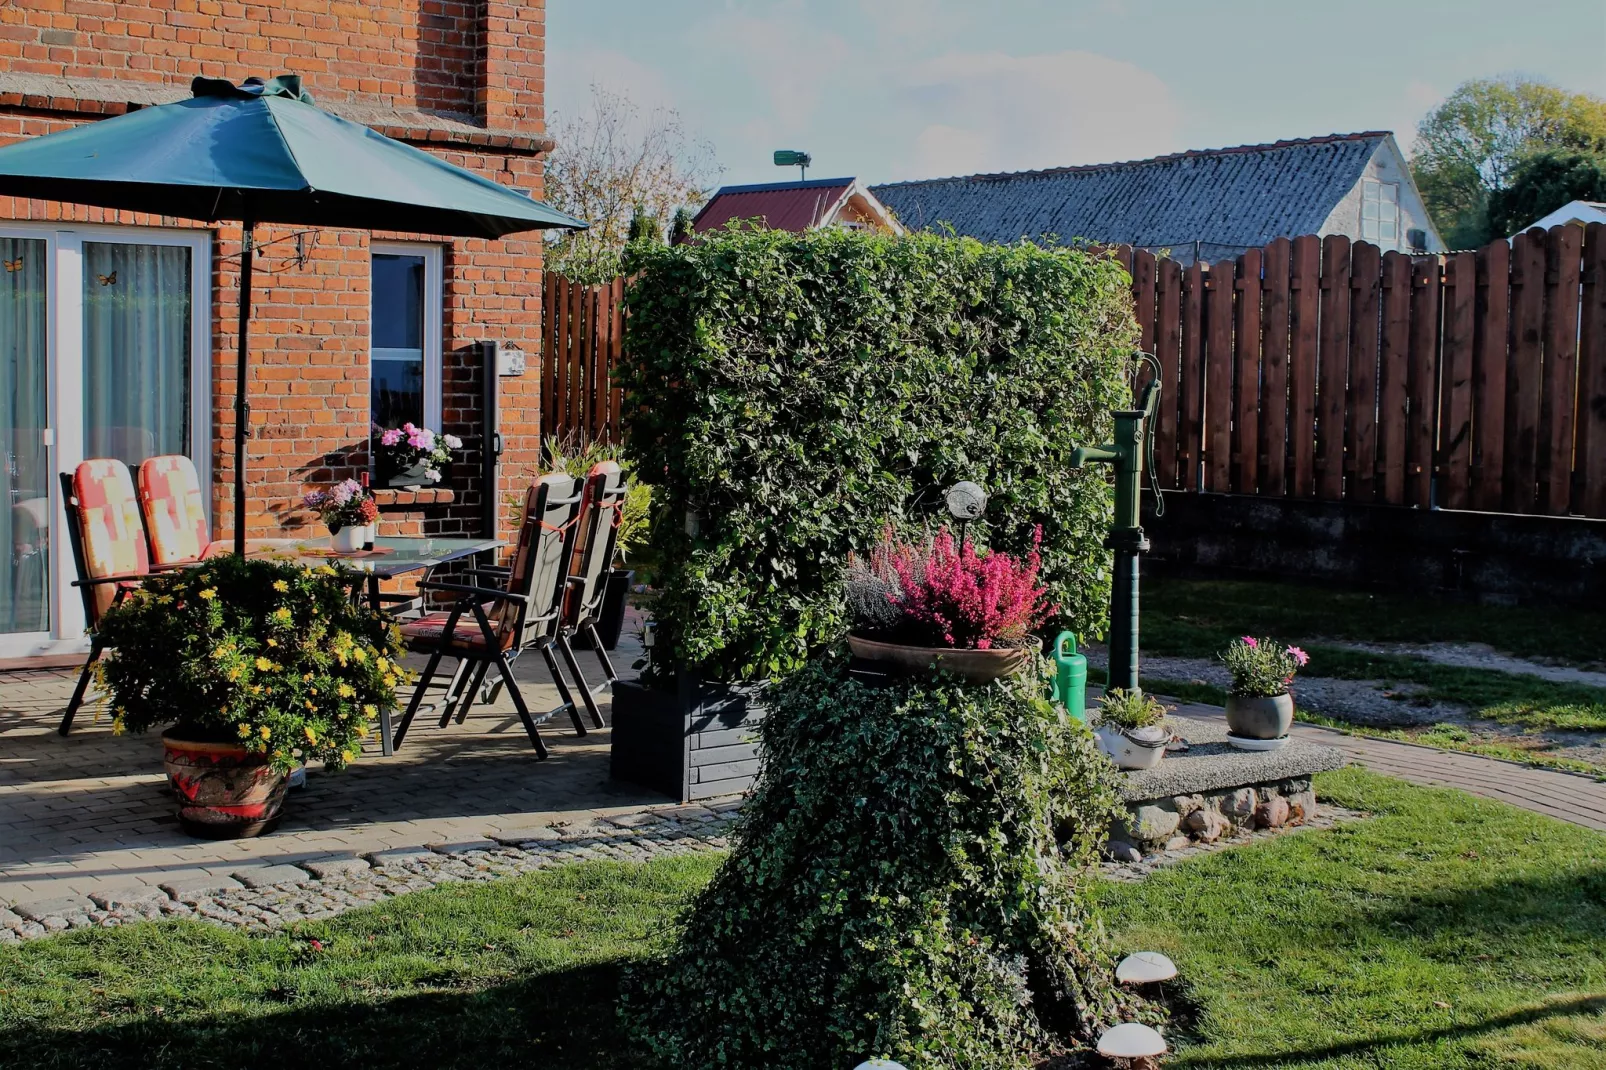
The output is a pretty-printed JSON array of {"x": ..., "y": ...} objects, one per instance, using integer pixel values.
[
  {"x": 472, "y": 593},
  {"x": 172, "y": 566},
  {"x": 95, "y": 581},
  {"x": 498, "y": 574}
]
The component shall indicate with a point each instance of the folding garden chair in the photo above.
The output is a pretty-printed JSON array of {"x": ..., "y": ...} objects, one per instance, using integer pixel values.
[
  {"x": 588, "y": 577},
  {"x": 108, "y": 550},
  {"x": 506, "y": 612},
  {"x": 175, "y": 512}
]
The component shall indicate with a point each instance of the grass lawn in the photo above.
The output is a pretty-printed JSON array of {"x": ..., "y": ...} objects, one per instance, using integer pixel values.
[{"x": 1325, "y": 949}]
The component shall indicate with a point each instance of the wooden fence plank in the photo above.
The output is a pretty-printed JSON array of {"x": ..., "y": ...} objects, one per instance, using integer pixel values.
[
  {"x": 1490, "y": 328},
  {"x": 549, "y": 362},
  {"x": 1143, "y": 296},
  {"x": 1167, "y": 346},
  {"x": 1455, "y": 375},
  {"x": 1524, "y": 370},
  {"x": 1246, "y": 376},
  {"x": 1393, "y": 373},
  {"x": 576, "y": 377},
  {"x": 1332, "y": 367},
  {"x": 596, "y": 361},
  {"x": 1306, "y": 286},
  {"x": 1274, "y": 368},
  {"x": 1563, "y": 248},
  {"x": 1219, "y": 282},
  {"x": 616, "y": 392},
  {"x": 1422, "y": 383},
  {"x": 1190, "y": 447},
  {"x": 1366, "y": 276},
  {"x": 1591, "y": 500}
]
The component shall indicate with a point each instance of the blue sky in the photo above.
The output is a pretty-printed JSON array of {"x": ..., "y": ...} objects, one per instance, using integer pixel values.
[{"x": 897, "y": 89}]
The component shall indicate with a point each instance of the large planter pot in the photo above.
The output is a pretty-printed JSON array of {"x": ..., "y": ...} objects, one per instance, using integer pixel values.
[
  {"x": 979, "y": 666},
  {"x": 223, "y": 790},
  {"x": 695, "y": 740},
  {"x": 1137, "y": 748},
  {"x": 1260, "y": 718}
]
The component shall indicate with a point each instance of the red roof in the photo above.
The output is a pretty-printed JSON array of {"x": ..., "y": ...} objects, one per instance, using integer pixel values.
[{"x": 796, "y": 206}]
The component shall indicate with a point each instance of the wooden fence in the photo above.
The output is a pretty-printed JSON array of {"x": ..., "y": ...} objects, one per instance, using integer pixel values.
[
  {"x": 582, "y": 339},
  {"x": 1320, "y": 368},
  {"x": 1312, "y": 368}
]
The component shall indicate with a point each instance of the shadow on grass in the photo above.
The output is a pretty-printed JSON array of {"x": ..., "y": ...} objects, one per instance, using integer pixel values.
[
  {"x": 558, "y": 1020},
  {"x": 1375, "y": 1045}
]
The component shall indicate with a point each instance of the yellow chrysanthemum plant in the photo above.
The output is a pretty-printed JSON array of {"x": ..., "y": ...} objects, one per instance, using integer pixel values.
[{"x": 271, "y": 655}]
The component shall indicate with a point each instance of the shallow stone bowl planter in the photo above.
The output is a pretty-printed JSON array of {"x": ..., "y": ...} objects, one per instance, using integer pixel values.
[
  {"x": 1255, "y": 717},
  {"x": 979, "y": 666},
  {"x": 1137, "y": 748},
  {"x": 223, "y": 790}
]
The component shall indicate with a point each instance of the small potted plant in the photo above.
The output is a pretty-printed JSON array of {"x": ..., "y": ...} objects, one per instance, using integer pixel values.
[
  {"x": 258, "y": 666},
  {"x": 412, "y": 457},
  {"x": 937, "y": 603},
  {"x": 1260, "y": 709},
  {"x": 1132, "y": 729},
  {"x": 348, "y": 510}
]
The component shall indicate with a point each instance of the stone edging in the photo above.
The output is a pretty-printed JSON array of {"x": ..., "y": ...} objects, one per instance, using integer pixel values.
[
  {"x": 264, "y": 897},
  {"x": 1325, "y": 817}
]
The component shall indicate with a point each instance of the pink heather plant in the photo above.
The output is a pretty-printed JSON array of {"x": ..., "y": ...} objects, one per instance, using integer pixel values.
[
  {"x": 940, "y": 594},
  {"x": 1260, "y": 667}
]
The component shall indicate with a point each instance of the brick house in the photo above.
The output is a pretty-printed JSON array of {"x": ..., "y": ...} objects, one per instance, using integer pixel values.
[{"x": 117, "y": 330}]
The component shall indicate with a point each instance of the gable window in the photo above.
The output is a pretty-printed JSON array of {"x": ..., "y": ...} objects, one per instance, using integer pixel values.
[
  {"x": 405, "y": 335},
  {"x": 1380, "y": 212}
]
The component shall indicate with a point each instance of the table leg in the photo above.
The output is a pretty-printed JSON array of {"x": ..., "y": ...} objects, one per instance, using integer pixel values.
[
  {"x": 387, "y": 745},
  {"x": 373, "y": 592}
]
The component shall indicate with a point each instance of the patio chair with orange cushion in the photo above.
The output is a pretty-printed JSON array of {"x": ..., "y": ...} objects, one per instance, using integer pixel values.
[
  {"x": 175, "y": 512},
  {"x": 504, "y": 612},
  {"x": 108, "y": 550}
]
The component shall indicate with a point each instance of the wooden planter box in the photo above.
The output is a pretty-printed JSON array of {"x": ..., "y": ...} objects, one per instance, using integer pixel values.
[{"x": 697, "y": 742}]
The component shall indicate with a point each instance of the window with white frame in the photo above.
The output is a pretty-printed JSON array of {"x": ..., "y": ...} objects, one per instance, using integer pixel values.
[
  {"x": 1380, "y": 212},
  {"x": 405, "y": 335}
]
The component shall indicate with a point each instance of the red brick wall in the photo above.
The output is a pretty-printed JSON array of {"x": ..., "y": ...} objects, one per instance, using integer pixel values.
[{"x": 309, "y": 329}]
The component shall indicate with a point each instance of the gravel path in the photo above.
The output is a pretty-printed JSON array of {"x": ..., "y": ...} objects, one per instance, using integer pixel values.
[
  {"x": 1482, "y": 656},
  {"x": 262, "y": 898}
]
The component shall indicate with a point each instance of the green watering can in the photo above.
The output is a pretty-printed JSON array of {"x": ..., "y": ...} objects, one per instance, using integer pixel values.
[{"x": 1070, "y": 676}]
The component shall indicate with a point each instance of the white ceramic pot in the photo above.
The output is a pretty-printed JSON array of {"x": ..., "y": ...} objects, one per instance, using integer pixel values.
[
  {"x": 1141, "y": 748},
  {"x": 348, "y": 540}
]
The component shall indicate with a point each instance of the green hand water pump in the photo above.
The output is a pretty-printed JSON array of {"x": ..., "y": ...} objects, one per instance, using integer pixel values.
[{"x": 1130, "y": 453}]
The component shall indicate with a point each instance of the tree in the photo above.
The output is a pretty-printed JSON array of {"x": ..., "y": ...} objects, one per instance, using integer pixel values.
[
  {"x": 1467, "y": 148},
  {"x": 613, "y": 164},
  {"x": 680, "y": 231},
  {"x": 644, "y": 226},
  {"x": 1543, "y": 183}
]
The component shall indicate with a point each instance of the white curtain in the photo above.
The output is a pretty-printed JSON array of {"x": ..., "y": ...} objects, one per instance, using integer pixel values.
[
  {"x": 136, "y": 350},
  {"x": 25, "y": 478}
]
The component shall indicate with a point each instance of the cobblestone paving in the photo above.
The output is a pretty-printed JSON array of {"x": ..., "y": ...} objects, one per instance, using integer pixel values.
[{"x": 261, "y": 898}]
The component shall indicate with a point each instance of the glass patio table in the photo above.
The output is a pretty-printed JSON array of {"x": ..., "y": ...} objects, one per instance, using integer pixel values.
[{"x": 391, "y": 556}]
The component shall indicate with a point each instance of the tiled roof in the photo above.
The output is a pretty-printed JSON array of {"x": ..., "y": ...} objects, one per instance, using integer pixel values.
[
  {"x": 781, "y": 205},
  {"x": 1235, "y": 197}
]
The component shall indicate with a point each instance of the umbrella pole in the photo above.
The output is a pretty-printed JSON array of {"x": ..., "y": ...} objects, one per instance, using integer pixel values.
[{"x": 242, "y": 410}]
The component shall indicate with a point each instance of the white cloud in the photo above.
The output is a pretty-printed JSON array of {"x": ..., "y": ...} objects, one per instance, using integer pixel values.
[
  {"x": 996, "y": 112},
  {"x": 571, "y": 72}
]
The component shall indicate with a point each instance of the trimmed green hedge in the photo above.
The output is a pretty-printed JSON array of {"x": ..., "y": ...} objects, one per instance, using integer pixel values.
[
  {"x": 787, "y": 394},
  {"x": 909, "y": 880}
]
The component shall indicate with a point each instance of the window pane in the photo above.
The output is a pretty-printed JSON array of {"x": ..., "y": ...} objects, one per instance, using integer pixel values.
[
  {"x": 398, "y": 302},
  {"x": 25, "y": 472},
  {"x": 1390, "y": 193},
  {"x": 136, "y": 350}
]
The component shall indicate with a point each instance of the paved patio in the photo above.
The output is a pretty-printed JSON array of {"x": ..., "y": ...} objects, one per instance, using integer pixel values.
[{"x": 92, "y": 812}]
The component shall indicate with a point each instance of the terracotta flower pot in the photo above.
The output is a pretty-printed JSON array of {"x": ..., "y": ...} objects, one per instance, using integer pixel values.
[
  {"x": 979, "y": 666},
  {"x": 1260, "y": 717},
  {"x": 223, "y": 790}
]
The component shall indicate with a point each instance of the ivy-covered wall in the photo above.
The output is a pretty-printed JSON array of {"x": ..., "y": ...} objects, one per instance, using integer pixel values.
[{"x": 788, "y": 394}]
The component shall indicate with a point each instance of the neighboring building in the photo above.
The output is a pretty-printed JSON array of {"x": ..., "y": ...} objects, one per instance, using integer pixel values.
[
  {"x": 117, "y": 330},
  {"x": 819, "y": 202},
  {"x": 1204, "y": 204},
  {"x": 1578, "y": 212}
]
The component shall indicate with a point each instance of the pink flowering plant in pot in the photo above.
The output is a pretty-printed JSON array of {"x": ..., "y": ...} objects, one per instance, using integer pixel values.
[
  {"x": 1260, "y": 708},
  {"x": 410, "y": 456},
  {"x": 938, "y": 601},
  {"x": 347, "y": 504}
]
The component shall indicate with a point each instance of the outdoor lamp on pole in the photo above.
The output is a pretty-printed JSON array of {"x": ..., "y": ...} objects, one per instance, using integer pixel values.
[
  {"x": 1132, "y": 450},
  {"x": 794, "y": 158},
  {"x": 966, "y": 501}
]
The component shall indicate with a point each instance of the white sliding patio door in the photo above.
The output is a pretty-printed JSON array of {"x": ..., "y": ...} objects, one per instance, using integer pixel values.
[{"x": 104, "y": 352}]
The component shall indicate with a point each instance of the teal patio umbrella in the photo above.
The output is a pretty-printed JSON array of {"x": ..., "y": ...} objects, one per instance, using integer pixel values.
[{"x": 262, "y": 153}]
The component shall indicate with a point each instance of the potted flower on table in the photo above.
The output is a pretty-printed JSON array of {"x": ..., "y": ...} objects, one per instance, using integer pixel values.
[
  {"x": 411, "y": 456},
  {"x": 349, "y": 511},
  {"x": 933, "y": 602},
  {"x": 259, "y": 666},
  {"x": 1132, "y": 729},
  {"x": 1260, "y": 709}
]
